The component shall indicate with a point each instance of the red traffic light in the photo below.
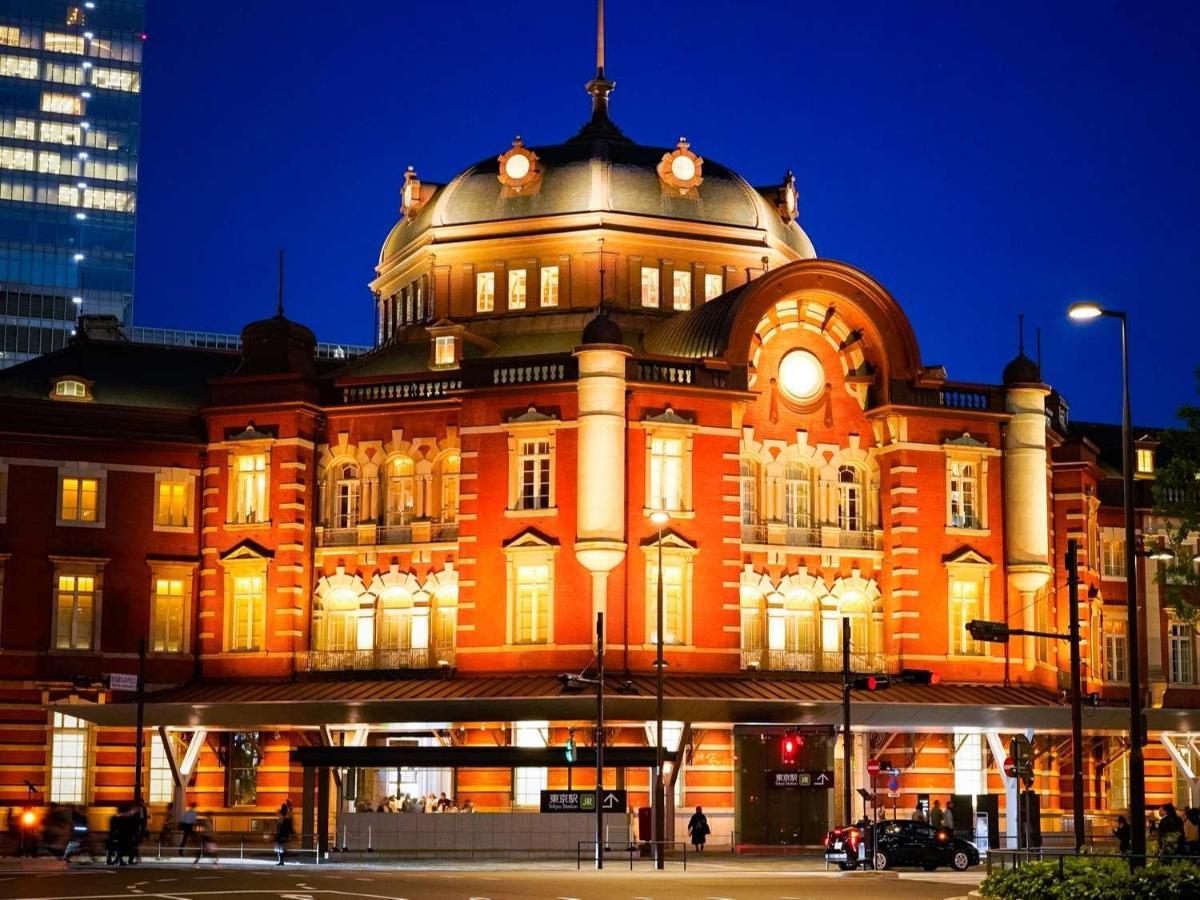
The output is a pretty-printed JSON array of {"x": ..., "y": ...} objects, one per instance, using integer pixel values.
[
  {"x": 789, "y": 747},
  {"x": 871, "y": 682}
]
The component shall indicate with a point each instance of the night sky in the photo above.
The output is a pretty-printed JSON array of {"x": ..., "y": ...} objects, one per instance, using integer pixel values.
[{"x": 978, "y": 159}]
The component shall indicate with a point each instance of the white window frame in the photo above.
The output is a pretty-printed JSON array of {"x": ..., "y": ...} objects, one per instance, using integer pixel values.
[
  {"x": 518, "y": 289},
  {"x": 170, "y": 571},
  {"x": 681, "y": 289},
  {"x": 82, "y": 470},
  {"x": 1116, "y": 653},
  {"x": 445, "y": 351},
  {"x": 69, "y": 778},
  {"x": 485, "y": 292},
  {"x": 400, "y": 487},
  {"x": 967, "y": 567},
  {"x": 669, "y": 426},
  {"x": 534, "y": 427},
  {"x": 1112, "y": 553},
  {"x": 680, "y": 556},
  {"x": 1182, "y": 653},
  {"x": 714, "y": 285},
  {"x": 529, "y": 782},
  {"x": 346, "y": 494},
  {"x": 77, "y": 566},
  {"x": 187, "y": 477},
  {"x": 529, "y": 550},
  {"x": 246, "y": 566},
  {"x": 650, "y": 287},
  {"x": 549, "y": 284},
  {"x": 237, "y": 510}
]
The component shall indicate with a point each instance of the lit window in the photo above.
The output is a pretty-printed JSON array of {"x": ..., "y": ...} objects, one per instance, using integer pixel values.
[
  {"x": 714, "y": 285},
  {"x": 1182, "y": 653},
  {"x": 516, "y": 289},
  {"x": 162, "y": 785},
  {"x": 549, "y": 286},
  {"x": 16, "y": 158},
  {"x": 534, "y": 470},
  {"x": 1145, "y": 460},
  {"x": 673, "y": 599},
  {"x": 963, "y": 487},
  {"x": 346, "y": 496},
  {"x": 68, "y": 760},
  {"x": 1112, "y": 553},
  {"x": 400, "y": 491},
  {"x": 59, "y": 133},
  {"x": 75, "y": 612},
  {"x": 60, "y": 74},
  {"x": 62, "y": 43},
  {"x": 748, "y": 480},
  {"x": 173, "y": 506},
  {"x": 18, "y": 67},
  {"x": 80, "y": 499},
  {"x": 104, "y": 198},
  {"x": 485, "y": 291},
  {"x": 681, "y": 289},
  {"x": 532, "y": 625},
  {"x": 849, "y": 499},
  {"x": 71, "y": 389},
  {"x": 801, "y": 375},
  {"x": 66, "y": 195},
  {"x": 969, "y": 770},
  {"x": 248, "y": 601},
  {"x": 400, "y": 627},
  {"x": 443, "y": 350},
  {"x": 116, "y": 79},
  {"x": 245, "y": 756},
  {"x": 167, "y": 626},
  {"x": 794, "y": 632},
  {"x": 340, "y": 628},
  {"x": 965, "y": 606},
  {"x": 666, "y": 474},
  {"x": 528, "y": 783},
  {"x": 250, "y": 501},
  {"x": 76, "y": 16},
  {"x": 51, "y": 163},
  {"x": 1118, "y": 782},
  {"x": 1116, "y": 652},
  {"x": 448, "y": 473},
  {"x": 10, "y": 35},
  {"x": 649, "y": 286},
  {"x": 67, "y": 104},
  {"x": 24, "y": 129},
  {"x": 797, "y": 495}
]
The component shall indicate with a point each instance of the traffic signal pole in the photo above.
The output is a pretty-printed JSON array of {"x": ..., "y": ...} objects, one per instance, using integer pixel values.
[
  {"x": 847, "y": 740},
  {"x": 599, "y": 739},
  {"x": 1076, "y": 691}
]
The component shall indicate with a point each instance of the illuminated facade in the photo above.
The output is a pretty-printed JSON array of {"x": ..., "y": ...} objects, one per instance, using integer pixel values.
[
  {"x": 407, "y": 548},
  {"x": 70, "y": 77}
]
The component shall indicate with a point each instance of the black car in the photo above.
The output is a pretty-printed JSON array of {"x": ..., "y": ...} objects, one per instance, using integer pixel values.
[{"x": 899, "y": 843}]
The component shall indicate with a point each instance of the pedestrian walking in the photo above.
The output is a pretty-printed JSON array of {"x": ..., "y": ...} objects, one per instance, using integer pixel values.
[
  {"x": 918, "y": 814},
  {"x": 1124, "y": 835},
  {"x": 207, "y": 839},
  {"x": 187, "y": 826},
  {"x": 283, "y": 833},
  {"x": 698, "y": 828}
]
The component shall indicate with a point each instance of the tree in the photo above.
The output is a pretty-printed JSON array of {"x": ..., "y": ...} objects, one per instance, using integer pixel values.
[{"x": 1177, "y": 502}]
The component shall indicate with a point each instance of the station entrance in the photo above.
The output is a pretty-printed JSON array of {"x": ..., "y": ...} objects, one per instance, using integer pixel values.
[{"x": 779, "y": 801}]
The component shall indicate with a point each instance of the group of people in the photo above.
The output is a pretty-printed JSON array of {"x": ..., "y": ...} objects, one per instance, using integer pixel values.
[
  {"x": 938, "y": 817},
  {"x": 406, "y": 803},
  {"x": 1178, "y": 835}
]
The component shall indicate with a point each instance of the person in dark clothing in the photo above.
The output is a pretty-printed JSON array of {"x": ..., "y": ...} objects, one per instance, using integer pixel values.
[
  {"x": 187, "y": 826},
  {"x": 1124, "y": 834},
  {"x": 1170, "y": 830},
  {"x": 698, "y": 828},
  {"x": 283, "y": 833}
]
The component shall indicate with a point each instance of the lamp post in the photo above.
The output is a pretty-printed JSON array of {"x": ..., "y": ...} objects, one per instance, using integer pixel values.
[
  {"x": 1082, "y": 312},
  {"x": 659, "y": 518}
]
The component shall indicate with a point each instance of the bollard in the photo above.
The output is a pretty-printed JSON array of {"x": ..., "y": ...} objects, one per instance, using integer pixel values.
[{"x": 370, "y": 840}]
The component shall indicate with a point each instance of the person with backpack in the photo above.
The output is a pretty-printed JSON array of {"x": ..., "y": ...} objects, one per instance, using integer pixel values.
[{"x": 698, "y": 828}]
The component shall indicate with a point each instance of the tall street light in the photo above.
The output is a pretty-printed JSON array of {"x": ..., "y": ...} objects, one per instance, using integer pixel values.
[
  {"x": 1082, "y": 312},
  {"x": 660, "y": 519}
]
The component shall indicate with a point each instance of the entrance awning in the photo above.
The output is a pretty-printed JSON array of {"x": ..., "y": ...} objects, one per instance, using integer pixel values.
[{"x": 766, "y": 698}]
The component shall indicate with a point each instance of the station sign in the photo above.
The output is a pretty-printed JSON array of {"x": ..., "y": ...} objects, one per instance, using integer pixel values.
[
  {"x": 802, "y": 778},
  {"x": 118, "y": 681},
  {"x": 583, "y": 801}
]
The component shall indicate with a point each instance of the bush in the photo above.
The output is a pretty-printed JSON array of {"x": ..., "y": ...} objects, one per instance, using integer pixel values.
[{"x": 1094, "y": 879}]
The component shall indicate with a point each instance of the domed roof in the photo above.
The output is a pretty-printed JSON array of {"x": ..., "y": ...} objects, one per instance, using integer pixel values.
[
  {"x": 602, "y": 330},
  {"x": 1022, "y": 370},
  {"x": 599, "y": 172}
]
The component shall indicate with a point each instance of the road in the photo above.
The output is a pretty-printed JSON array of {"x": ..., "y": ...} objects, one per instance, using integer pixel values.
[{"x": 482, "y": 881}]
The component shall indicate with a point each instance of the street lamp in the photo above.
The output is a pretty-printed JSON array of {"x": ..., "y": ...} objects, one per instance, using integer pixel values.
[
  {"x": 659, "y": 518},
  {"x": 1082, "y": 311}
]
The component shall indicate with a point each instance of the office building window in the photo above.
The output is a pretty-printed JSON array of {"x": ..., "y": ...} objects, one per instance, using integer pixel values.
[
  {"x": 516, "y": 288},
  {"x": 75, "y": 612},
  {"x": 485, "y": 291},
  {"x": 116, "y": 79},
  {"x": 666, "y": 474},
  {"x": 19, "y": 159},
  {"x": 681, "y": 289},
  {"x": 10, "y": 36},
  {"x": 18, "y": 67},
  {"x": 649, "y": 286},
  {"x": 66, "y": 104},
  {"x": 528, "y": 783},
  {"x": 714, "y": 285},
  {"x": 80, "y": 500},
  {"x": 246, "y": 610},
  {"x": 68, "y": 760},
  {"x": 168, "y": 617},
  {"x": 549, "y": 285},
  {"x": 62, "y": 43},
  {"x": 59, "y": 133},
  {"x": 245, "y": 756},
  {"x": 963, "y": 487},
  {"x": 250, "y": 489},
  {"x": 534, "y": 470}
]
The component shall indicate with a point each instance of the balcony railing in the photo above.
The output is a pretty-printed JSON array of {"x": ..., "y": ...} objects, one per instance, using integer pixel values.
[
  {"x": 811, "y": 661},
  {"x": 374, "y": 660},
  {"x": 417, "y": 531},
  {"x": 780, "y": 534}
]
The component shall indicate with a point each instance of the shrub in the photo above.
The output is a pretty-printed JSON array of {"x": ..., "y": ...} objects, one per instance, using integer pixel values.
[{"x": 1086, "y": 878}]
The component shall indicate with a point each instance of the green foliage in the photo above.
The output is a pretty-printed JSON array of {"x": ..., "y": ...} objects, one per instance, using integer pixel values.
[
  {"x": 1094, "y": 879},
  {"x": 1177, "y": 500}
]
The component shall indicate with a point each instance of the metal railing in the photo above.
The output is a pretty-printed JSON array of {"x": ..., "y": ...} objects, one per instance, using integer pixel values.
[
  {"x": 811, "y": 661},
  {"x": 811, "y": 536},
  {"x": 372, "y": 660},
  {"x": 633, "y": 850},
  {"x": 372, "y": 535},
  {"x": 1014, "y": 859}
]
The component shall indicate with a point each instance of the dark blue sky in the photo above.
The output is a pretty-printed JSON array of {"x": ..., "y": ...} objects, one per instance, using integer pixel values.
[{"x": 979, "y": 159}]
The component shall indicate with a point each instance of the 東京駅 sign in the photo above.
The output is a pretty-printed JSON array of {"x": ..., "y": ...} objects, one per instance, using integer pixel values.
[
  {"x": 802, "y": 778},
  {"x": 582, "y": 801}
]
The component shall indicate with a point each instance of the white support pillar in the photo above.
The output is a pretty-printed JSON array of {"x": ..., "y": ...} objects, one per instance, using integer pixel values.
[
  {"x": 1189, "y": 771},
  {"x": 182, "y": 767},
  {"x": 1012, "y": 787}
]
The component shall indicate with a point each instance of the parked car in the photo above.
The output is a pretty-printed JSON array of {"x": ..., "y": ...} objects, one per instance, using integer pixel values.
[{"x": 899, "y": 843}]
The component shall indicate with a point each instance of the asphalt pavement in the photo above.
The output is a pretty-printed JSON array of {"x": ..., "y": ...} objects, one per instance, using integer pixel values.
[{"x": 727, "y": 879}]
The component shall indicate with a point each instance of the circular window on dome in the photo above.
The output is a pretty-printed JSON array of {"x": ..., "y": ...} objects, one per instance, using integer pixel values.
[
  {"x": 801, "y": 376},
  {"x": 680, "y": 170},
  {"x": 518, "y": 168}
]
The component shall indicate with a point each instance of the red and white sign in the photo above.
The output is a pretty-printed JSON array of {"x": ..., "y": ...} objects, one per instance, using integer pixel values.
[
  {"x": 873, "y": 767},
  {"x": 1010, "y": 767}
]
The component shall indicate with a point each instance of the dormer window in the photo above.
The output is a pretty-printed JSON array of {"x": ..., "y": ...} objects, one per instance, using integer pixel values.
[
  {"x": 1145, "y": 460},
  {"x": 71, "y": 389},
  {"x": 445, "y": 350}
]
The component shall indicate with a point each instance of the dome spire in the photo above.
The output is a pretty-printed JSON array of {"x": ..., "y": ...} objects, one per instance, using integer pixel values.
[
  {"x": 600, "y": 126},
  {"x": 600, "y": 38}
]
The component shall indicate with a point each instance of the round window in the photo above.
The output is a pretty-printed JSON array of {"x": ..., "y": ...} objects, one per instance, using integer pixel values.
[
  {"x": 516, "y": 166},
  {"x": 683, "y": 168},
  {"x": 801, "y": 375}
]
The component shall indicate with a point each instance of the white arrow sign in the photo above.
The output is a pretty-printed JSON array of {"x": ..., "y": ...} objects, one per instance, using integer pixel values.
[
  {"x": 610, "y": 800},
  {"x": 822, "y": 780}
]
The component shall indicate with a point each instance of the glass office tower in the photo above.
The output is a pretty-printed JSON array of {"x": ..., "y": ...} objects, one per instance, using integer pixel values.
[{"x": 70, "y": 102}]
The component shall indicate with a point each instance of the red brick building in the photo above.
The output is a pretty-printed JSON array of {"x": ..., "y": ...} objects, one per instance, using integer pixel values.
[{"x": 407, "y": 548}]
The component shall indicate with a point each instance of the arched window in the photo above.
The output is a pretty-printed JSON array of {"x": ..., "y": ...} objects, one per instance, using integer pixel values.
[
  {"x": 400, "y": 491},
  {"x": 748, "y": 475},
  {"x": 448, "y": 488},
  {"x": 797, "y": 495},
  {"x": 849, "y": 499},
  {"x": 346, "y": 495},
  {"x": 341, "y": 629}
]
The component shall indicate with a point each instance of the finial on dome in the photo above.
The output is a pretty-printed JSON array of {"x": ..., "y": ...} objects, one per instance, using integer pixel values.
[
  {"x": 599, "y": 38},
  {"x": 600, "y": 125}
]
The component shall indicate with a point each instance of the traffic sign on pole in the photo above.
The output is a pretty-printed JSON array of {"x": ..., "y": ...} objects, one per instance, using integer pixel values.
[{"x": 872, "y": 767}]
